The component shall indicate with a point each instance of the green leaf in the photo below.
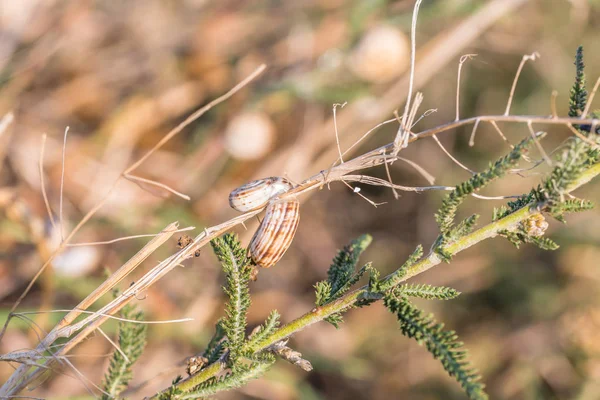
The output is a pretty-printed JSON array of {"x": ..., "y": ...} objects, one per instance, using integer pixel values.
[
  {"x": 265, "y": 329},
  {"x": 442, "y": 344},
  {"x": 396, "y": 277},
  {"x": 242, "y": 375},
  {"x": 424, "y": 291},
  {"x": 217, "y": 343},
  {"x": 322, "y": 292},
  {"x": 236, "y": 265},
  {"x": 132, "y": 340},
  {"x": 344, "y": 263},
  {"x": 463, "y": 228},
  {"x": 447, "y": 212},
  {"x": 578, "y": 96},
  {"x": 342, "y": 273}
]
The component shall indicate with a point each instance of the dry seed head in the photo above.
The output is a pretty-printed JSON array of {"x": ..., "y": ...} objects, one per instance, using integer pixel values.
[
  {"x": 257, "y": 193},
  {"x": 535, "y": 225},
  {"x": 275, "y": 233}
]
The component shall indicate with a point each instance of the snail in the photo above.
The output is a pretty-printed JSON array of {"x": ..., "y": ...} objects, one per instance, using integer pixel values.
[
  {"x": 277, "y": 229},
  {"x": 257, "y": 193}
]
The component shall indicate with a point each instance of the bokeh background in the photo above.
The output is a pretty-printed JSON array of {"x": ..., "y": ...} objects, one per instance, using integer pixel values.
[{"x": 121, "y": 74}]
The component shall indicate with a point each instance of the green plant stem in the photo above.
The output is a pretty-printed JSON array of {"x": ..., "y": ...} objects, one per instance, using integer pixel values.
[
  {"x": 350, "y": 299},
  {"x": 491, "y": 230},
  {"x": 191, "y": 382}
]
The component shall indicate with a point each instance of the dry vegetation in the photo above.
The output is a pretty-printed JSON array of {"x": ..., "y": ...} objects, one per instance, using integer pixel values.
[{"x": 120, "y": 76}]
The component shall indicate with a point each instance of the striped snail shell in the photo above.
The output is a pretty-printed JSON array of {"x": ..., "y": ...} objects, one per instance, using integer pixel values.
[
  {"x": 276, "y": 232},
  {"x": 257, "y": 193}
]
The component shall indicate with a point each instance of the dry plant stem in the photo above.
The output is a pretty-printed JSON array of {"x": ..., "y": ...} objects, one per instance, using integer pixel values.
[
  {"x": 553, "y": 104},
  {"x": 42, "y": 185},
  {"x": 62, "y": 184},
  {"x": 526, "y": 58},
  {"x": 588, "y": 105},
  {"x": 137, "y": 179},
  {"x": 101, "y": 203},
  {"x": 462, "y": 60},
  {"x": 19, "y": 380}
]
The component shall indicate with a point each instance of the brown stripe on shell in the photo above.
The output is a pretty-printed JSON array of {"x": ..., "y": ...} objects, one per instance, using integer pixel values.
[
  {"x": 275, "y": 233},
  {"x": 257, "y": 193}
]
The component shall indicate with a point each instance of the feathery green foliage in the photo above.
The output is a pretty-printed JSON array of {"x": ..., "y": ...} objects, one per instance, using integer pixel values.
[
  {"x": 236, "y": 266},
  {"x": 424, "y": 291},
  {"x": 172, "y": 392},
  {"x": 217, "y": 344},
  {"x": 343, "y": 265},
  {"x": 578, "y": 95},
  {"x": 242, "y": 375},
  {"x": 447, "y": 212},
  {"x": 463, "y": 228},
  {"x": 394, "y": 278},
  {"x": 342, "y": 275},
  {"x": 442, "y": 344},
  {"x": 265, "y": 329},
  {"x": 132, "y": 340},
  {"x": 519, "y": 237}
]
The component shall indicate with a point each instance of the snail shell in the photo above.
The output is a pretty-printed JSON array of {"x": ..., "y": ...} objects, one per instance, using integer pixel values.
[
  {"x": 257, "y": 193},
  {"x": 275, "y": 233}
]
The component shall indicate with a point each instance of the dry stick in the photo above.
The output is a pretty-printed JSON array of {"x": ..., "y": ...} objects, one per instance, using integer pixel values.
[
  {"x": 109, "y": 316},
  {"x": 402, "y": 135},
  {"x": 438, "y": 52},
  {"x": 370, "y": 180},
  {"x": 42, "y": 185},
  {"x": 553, "y": 97},
  {"x": 495, "y": 125},
  {"x": 462, "y": 60},
  {"x": 428, "y": 177},
  {"x": 534, "y": 136},
  {"x": 363, "y": 137},
  {"x": 526, "y": 58},
  {"x": 189, "y": 228},
  {"x": 113, "y": 344},
  {"x": 337, "y": 137},
  {"x": 62, "y": 183},
  {"x": 472, "y": 138},
  {"x": 137, "y": 179},
  {"x": 197, "y": 115},
  {"x": 103, "y": 201},
  {"x": 120, "y": 274},
  {"x": 588, "y": 105},
  {"x": 451, "y": 156}
]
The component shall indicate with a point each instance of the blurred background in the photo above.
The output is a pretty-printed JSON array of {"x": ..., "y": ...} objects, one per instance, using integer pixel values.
[{"x": 122, "y": 74}]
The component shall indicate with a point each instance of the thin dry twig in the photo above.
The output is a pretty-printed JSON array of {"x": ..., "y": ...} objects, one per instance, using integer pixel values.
[
  {"x": 42, "y": 185},
  {"x": 434, "y": 137},
  {"x": 590, "y": 100},
  {"x": 113, "y": 344},
  {"x": 109, "y": 316},
  {"x": 337, "y": 137},
  {"x": 495, "y": 125},
  {"x": 402, "y": 135},
  {"x": 533, "y": 56},
  {"x": 553, "y": 104},
  {"x": 62, "y": 184},
  {"x": 472, "y": 138},
  {"x": 189, "y": 228},
  {"x": 464, "y": 58},
  {"x": 535, "y": 136},
  {"x": 138, "y": 180}
]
